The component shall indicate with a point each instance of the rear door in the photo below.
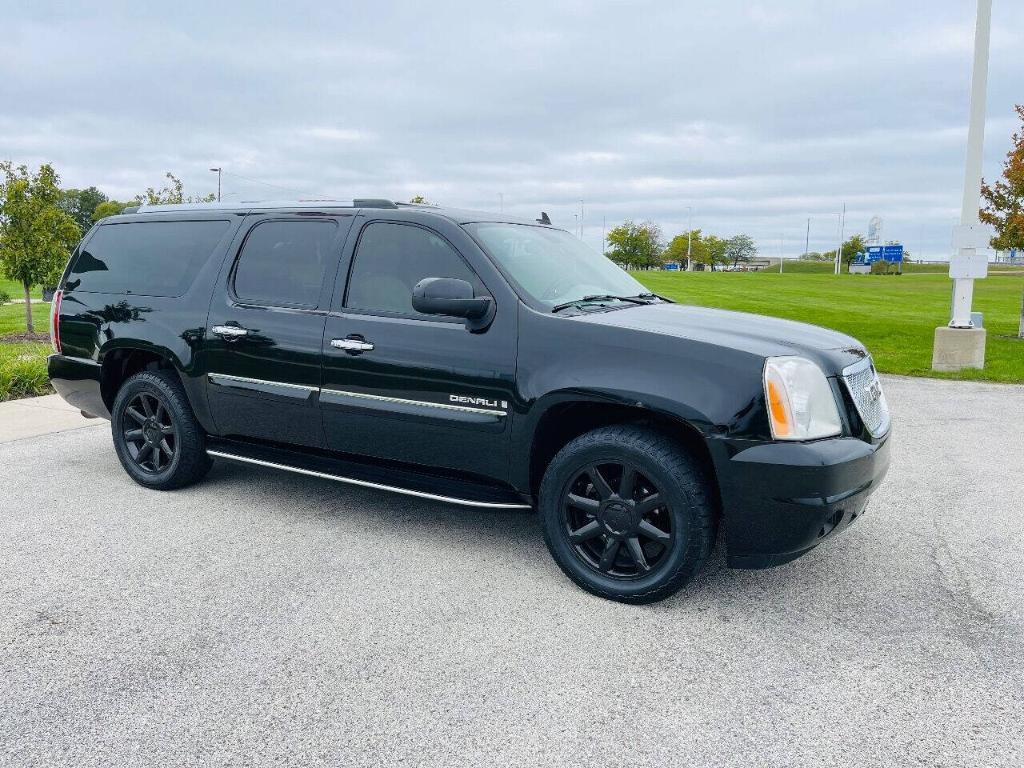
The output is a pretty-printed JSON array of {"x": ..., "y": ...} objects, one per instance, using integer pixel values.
[
  {"x": 409, "y": 387},
  {"x": 265, "y": 327}
]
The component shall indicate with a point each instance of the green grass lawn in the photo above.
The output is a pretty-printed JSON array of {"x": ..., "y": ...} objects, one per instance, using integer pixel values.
[
  {"x": 12, "y": 318},
  {"x": 895, "y": 317},
  {"x": 13, "y": 289}
]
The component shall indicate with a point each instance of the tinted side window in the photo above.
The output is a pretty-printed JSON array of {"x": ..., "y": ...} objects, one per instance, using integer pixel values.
[
  {"x": 151, "y": 258},
  {"x": 283, "y": 262},
  {"x": 391, "y": 259}
]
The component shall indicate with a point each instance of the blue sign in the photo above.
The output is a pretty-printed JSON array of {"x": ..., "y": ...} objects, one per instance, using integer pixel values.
[
  {"x": 672, "y": 266},
  {"x": 890, "y": 253}
]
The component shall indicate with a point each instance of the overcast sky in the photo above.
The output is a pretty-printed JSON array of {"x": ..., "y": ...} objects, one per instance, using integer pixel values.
[{"x": 759, "y": 115}]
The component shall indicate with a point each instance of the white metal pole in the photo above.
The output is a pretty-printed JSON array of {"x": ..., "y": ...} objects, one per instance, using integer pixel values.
[
  {"x": 963, "y": 288},
  {"x": 839, "y": 250},
  {"x": 689, "y": 237},
  {"x": 781, "y": 239}
]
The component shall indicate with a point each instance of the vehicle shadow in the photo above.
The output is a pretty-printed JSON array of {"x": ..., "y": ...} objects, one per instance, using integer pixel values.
[{"x": 514, "y": 535}]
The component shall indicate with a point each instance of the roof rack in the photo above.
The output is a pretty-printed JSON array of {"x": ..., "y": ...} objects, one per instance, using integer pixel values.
[{"x": 249, "y": 205}]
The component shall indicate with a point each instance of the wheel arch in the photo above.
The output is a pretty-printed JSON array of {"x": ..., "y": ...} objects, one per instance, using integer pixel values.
[
  {"x": 122, "y": 362},
  {"x": 565, "y": 420}
]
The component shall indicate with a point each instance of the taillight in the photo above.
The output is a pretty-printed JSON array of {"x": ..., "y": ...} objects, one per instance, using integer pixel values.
[{"x": 55, "y": 321}]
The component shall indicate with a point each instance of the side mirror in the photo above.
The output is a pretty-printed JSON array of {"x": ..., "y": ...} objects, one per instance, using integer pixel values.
[{"x": 454, "y": 298}]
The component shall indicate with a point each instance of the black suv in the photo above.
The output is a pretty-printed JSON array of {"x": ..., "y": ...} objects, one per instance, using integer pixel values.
[{"x": 474, "y": 359}]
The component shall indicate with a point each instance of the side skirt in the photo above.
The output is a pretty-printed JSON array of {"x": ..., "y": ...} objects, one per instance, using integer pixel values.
[{"x": 410, "y": 482}]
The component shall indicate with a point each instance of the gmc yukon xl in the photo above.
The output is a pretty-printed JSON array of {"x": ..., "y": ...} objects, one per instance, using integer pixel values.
[{"x": 470, "y": 359}]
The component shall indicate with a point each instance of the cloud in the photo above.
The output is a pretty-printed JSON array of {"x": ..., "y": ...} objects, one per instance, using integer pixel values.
[{"x": 758, "y": 115}]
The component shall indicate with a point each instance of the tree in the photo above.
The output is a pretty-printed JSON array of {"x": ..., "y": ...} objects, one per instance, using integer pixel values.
[
  {"x": 109, "y": 208},
  {"x": 688, "y": 242},
  {"x": 740, "y": 248},
  {"x": 715, "y": 249},
  {"x": 36, "y": 233},
  {"x": 637, "y": 245},
  {"x": 80, "y": 204},
  {"x": 1004, "y": 202},
  {"x": 173, "y": 194},
  {"x": 418, "y": 200}
]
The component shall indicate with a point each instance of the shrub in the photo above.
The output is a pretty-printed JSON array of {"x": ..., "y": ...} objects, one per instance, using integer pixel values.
[
  {"x": 5, "y": 297},
  {"x": 23, "y": 370}
]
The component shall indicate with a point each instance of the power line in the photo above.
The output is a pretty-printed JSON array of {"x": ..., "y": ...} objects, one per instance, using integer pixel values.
[{"x": 275, "y": 186}]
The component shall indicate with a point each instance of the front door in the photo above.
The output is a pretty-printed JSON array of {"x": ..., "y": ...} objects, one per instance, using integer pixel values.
[
  {"x": 266, "y": 326},
  {"x": 409, "y": 387}
]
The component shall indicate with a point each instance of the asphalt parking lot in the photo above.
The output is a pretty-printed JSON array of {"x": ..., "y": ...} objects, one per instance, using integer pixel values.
[{"x": 263, "y": 618}]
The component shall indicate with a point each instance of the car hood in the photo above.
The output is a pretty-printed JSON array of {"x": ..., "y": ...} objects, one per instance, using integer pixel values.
[{"x": 756, "y": 334}]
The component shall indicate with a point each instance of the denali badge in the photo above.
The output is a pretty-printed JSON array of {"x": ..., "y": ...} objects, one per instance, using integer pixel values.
[{"x": 478, "y": 401}]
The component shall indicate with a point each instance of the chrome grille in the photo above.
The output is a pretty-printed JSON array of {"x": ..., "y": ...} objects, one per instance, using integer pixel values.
[{"x": 866, "y": 390}]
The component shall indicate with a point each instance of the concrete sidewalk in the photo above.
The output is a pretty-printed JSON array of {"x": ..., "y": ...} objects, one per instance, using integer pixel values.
[{"x": 33, "y": 416}]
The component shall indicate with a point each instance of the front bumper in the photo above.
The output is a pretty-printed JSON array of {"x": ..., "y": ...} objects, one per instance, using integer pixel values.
[{"x": 781, "y": 500}]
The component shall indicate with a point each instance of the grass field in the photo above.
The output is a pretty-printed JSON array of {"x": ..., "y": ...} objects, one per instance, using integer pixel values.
[
  {"x": 12, "y": 318},
  {"x": 895, "y": 317},
  {"x": 13, "y": 289}
]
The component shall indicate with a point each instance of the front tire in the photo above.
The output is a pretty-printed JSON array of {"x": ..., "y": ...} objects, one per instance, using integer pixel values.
[
  {"x": 627, "y": 513},
  {"x": 156, "y": 436}
]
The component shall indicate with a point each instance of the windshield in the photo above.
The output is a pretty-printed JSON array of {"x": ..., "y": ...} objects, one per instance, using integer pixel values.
[{"x": 552, "y": 266}]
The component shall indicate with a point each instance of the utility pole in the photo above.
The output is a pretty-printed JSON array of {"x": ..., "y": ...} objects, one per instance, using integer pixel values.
[
  {"x": 807, "y": 240},
  {"x": 960, "y": 344},
  {"x": 839, "y": 250},
  {"x": 218, "y": 172},
  {"x": 782, "y": 239},
  {"x": 689, "y": 237}
]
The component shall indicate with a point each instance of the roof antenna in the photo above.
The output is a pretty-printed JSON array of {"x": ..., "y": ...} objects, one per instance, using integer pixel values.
[{"x": 544, "y": 219}]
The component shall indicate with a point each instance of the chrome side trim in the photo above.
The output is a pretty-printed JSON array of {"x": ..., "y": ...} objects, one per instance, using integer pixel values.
[
  {"x": 367, "y": 483},
  {"x": 246, "y": 380},
  {"x": 404, "y": 401}
]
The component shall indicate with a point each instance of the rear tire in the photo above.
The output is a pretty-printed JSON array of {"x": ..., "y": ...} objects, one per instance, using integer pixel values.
[
  {"x": 627, "y": 513},
  {"x": 156, "y": 436}
]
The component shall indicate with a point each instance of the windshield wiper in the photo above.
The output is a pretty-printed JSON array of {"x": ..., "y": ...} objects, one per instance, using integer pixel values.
[{"x": 638, "y": 299}]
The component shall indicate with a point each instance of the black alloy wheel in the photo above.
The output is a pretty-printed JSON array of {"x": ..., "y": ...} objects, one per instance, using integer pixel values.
[
  {"x": 156, "y": 435},
  {"x": 628, "y": 512},
  {"x": 617, "y": 520},
  {"x": 149, "y": 432}
]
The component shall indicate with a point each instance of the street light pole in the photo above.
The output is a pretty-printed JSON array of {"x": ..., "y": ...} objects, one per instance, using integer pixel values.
[
  {"x": 689, "y": 237},
  {"x": 839, "y": 250},
  {"x": 807, "y": 240},
  {"x": 963, "y": 287},
  {"x": 960, "y": 345},
  {"x": 218, "y": 172}
]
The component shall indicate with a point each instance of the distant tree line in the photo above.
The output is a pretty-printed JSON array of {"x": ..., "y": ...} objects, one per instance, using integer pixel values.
[{"x": 642, "y": 246}]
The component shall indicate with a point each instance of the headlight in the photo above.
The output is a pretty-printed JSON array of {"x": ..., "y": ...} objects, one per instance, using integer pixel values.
[{"x": 801, "y": 405}]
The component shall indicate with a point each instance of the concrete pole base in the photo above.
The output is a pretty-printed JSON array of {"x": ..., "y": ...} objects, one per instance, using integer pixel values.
[{"x": 958, "y": 348}]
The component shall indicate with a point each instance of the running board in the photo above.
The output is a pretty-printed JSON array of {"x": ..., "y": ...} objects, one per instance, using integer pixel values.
[{"x": 366, "y": 475}]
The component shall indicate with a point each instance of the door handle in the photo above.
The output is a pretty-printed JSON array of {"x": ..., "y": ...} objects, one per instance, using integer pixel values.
[
  {"x": 229, "y": 332},
  {"x": 353, "y": 346}
]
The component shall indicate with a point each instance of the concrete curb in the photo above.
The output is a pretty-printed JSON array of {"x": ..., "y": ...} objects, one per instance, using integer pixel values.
[{"x": 34, "y": 416}]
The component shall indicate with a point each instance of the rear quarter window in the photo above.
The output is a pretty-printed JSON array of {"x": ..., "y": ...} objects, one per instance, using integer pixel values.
[{"x": 148, "y": 258}]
